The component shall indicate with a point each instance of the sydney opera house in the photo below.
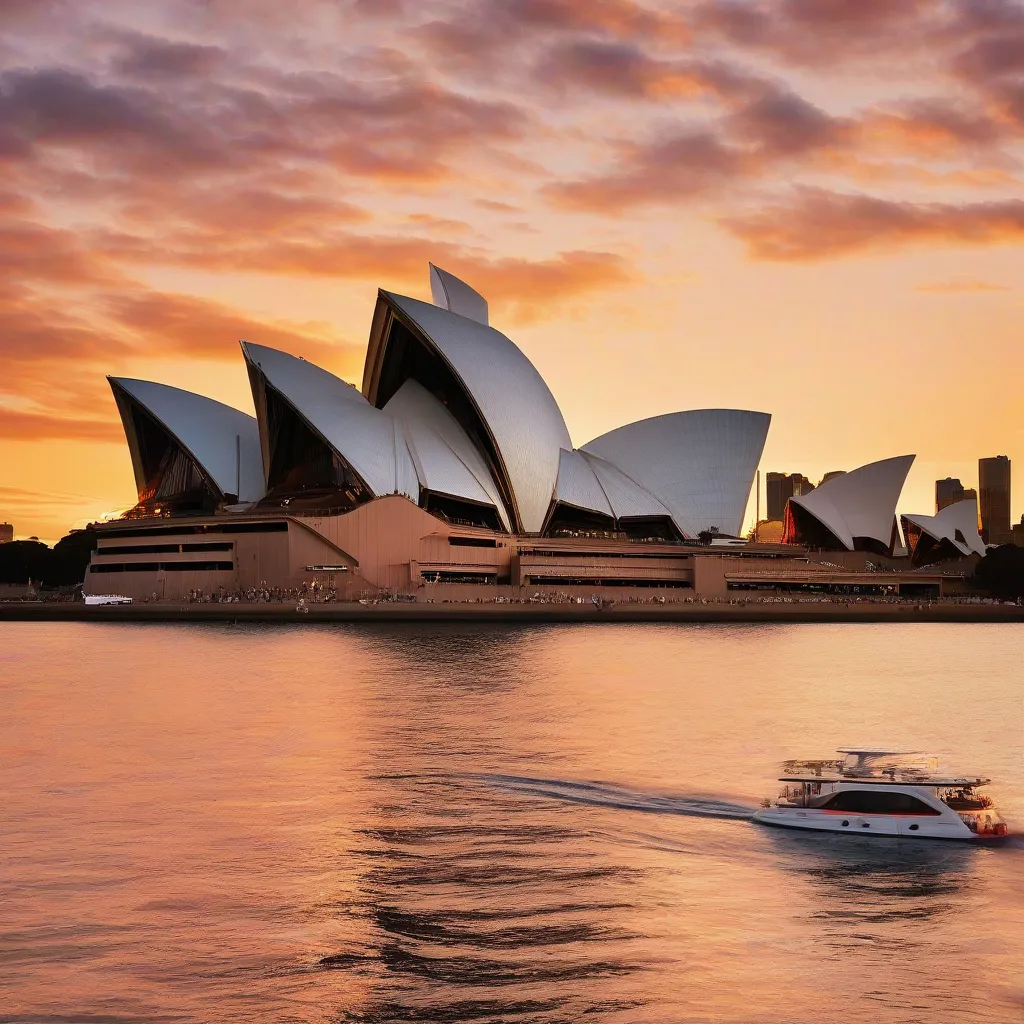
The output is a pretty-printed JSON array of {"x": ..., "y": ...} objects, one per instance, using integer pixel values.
[{"x": 451, "y": 469}]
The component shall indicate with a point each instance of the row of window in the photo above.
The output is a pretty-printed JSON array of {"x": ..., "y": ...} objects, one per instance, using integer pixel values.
[
  {"x": 566, "y": 553},
  {"x": 443, "y": 576},
  {"x": 165, "y": 549},
  {"x": 163, "y": 566},
  {"x": 860, "y": 802},
  {"x": 274, "y": 526},
  {"x": 589, "y": 581}
]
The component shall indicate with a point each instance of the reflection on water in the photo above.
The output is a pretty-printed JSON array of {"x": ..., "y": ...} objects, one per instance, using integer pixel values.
[
  {"x": 877, "y": 879},
  {"x": 543, "y": 824},
  {"x": 491, "y": 921}
]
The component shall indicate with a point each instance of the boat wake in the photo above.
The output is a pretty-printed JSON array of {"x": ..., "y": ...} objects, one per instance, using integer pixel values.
[{"x": 603, "y": 794}]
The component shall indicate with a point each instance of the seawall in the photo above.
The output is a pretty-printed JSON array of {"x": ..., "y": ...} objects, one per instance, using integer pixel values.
[{"x": 837, "y": 611}]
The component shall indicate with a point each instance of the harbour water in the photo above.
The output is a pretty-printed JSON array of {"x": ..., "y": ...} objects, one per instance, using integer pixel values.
[{"x": 457, "y": 823}]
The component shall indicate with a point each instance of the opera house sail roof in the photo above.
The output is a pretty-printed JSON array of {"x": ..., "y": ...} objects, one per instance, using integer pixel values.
[
  {"x": 452, "y": 415},
  {"x": 487, "y": 383},
  {"x": 320, "y": 436},
  {"x": 187, "y": 451},
  {"x": 700, "y": 464},
  {"x": 855, "y": 511},
  {"x": 951, "y": 533},
  {"x": 446, "y": 462},
  {"x": 448, "y": 292}
]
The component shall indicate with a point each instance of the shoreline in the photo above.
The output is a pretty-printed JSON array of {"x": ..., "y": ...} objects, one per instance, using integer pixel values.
[{"x": 514, "y": 613}]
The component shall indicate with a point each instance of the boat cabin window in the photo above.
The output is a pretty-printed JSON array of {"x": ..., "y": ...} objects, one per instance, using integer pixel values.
[{"x": 859, "y": 801}]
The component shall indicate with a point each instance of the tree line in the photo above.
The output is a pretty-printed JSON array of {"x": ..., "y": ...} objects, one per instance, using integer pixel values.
[
  {"x": 63, "y": 565},
  {"x": 1001, "y": 572}
]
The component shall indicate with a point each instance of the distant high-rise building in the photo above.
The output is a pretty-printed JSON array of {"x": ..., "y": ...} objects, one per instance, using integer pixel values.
[
  {"x": 948, "y": 492},
  {"x": 778, "y": 491},
  {"x": 1018, "y": 533},
  {"x": 6, "y": 533},
  {"x": 782, "y": 487},
  {"x": 801, "y": 485},
  {"x": 994, "y": 499}
]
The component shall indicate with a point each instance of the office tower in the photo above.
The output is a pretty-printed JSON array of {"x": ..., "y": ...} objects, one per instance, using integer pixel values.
[
  {"x": 778, "y": 491},
  {"x": 783, "y": 486},
  {"x": 801, "y": 485},
  {"x": 994, "y": 499},
  {"x": 948, "y": 492},
  {"x": 6, "y": 533}
]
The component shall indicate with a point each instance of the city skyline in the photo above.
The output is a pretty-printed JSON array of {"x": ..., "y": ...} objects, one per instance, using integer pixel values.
[{"x": 667, "y": 210}]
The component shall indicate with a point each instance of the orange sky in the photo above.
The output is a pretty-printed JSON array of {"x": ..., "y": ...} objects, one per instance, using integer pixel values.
[{"x": 809, "y": 207}]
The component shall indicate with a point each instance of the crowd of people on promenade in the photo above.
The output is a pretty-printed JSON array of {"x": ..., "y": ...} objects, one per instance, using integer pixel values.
[
  {"x": 310, "y": 593},
  {"x": 316, "y": 593}
]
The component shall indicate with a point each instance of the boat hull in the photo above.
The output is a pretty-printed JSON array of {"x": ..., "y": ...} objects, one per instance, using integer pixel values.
[{"x": 891, "y": 826}]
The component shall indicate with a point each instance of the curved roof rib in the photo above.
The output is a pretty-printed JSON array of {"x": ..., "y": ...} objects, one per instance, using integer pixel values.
[
  {"x": 446, "y": 460},
  {"x": 364, "y": 437},
  {"x": 859, "y": 507},
  {"x": 700, "y": 465},
  {"x": 952, "y": 531},
  {"x": 448, "y": 292},
  {"x": 222, "y": 443},
  {"x": 494, "y": 392}
]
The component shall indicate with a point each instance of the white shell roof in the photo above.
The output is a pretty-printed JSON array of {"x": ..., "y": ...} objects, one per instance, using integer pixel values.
[
  {"x": 518, "y": 409},
  {"x": 208, "y": 430},
  {"x": 578, "y": 484},
  {"x": 588, "y": 482},
  {"x": 626, "y": 497},
  {"x": 700, "y": 464},
  {"x": 364, "y": 436},
  {"x": 861, "y": 503},
  {"x": 446, "y": 461},
  {"x": 450, "y": 293},
  {"x": 959, "y": 518}
]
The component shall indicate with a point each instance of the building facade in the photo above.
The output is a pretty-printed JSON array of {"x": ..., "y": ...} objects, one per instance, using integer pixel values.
[
  {"x": 449, "y": 461},
  {"x": 994, "y": 499},
  {"x": 780, "y": 488},
  {"x": 948, "y": 492},
  {"x": 450, "y": 474}
]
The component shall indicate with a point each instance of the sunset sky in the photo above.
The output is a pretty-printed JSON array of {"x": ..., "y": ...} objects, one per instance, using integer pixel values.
[{"x": 807, "y": 207}]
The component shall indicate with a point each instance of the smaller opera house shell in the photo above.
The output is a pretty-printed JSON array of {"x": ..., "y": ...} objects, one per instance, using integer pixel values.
[
  {"x": 951, "y": 533},
  {"x": 854, "y": 511}
]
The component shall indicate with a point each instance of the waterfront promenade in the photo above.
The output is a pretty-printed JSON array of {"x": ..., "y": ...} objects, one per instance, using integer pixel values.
[{"x": 393, "y": 611}]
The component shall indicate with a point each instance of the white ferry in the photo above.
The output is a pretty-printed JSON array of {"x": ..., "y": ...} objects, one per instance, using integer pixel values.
[{"x": 883, "y": 792}]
